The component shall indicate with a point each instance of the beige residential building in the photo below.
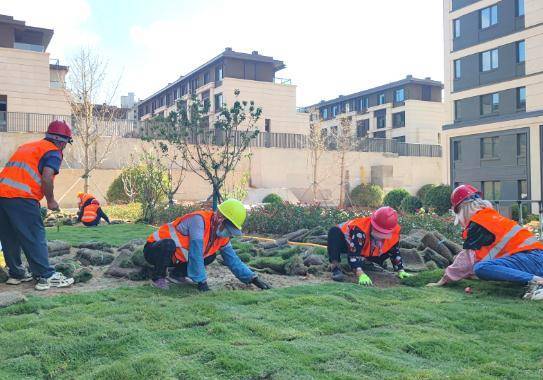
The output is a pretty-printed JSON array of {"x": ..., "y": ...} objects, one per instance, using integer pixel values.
[
  {"x": 30, "y": 82},
  {"x": 494, "y": 96},
  {"x": 409, "y": 110},
  {"x": 216, "y": 81}
]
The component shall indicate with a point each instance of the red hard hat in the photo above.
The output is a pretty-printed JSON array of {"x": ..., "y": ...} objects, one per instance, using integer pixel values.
[
  {"x": 384, "y": 220},
  {"x": 59, "y": 130},
  {"x": 462, "y": 193}
]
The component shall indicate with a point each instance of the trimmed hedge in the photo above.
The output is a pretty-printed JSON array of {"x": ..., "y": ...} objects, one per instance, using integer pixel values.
[
  {"x": 421, "y": 193},
  {"x": 367, "y": 195},
  {"x": 411, "y": 204},
  {"x": 272, "y": 198},
  {"x": 395, "y": 197},
  {"x": 438, "y": 198}
]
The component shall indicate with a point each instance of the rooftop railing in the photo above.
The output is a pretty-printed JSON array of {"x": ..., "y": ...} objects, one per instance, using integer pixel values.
[{"x": 37, "y": 123}]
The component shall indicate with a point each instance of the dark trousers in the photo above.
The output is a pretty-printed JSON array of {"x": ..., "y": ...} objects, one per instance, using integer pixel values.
[
  {"x": 21, "y": 226},
  {"x": 336, "y": 245},
  {"x": 159, "y": 254}
]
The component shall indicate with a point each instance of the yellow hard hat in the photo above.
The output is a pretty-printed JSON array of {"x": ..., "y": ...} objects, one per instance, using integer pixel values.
[
  {"x": 80, "y": 194},
  {"x": 234, "y": 211}
]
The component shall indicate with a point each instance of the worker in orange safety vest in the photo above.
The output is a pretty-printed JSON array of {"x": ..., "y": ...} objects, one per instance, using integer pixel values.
[
  {"x": 374, "y": 238},
  {"x": 27, "y": 177},
  {"x": 90, "y": 213},
  {"x": 496, "y": 248}
]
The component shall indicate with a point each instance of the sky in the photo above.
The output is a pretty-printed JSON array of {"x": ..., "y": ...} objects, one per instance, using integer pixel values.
[{"x": 330, "y": 48}]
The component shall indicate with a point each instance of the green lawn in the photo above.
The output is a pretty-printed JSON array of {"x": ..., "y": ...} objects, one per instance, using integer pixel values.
[
  {"x": 115, "y": 234},
  {"x": 339, "y": 331}
]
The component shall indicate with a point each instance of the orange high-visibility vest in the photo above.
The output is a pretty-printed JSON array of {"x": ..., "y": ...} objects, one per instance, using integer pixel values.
[
  {"x": 84, "y": 198},
  {"x": 365, "y": 225},
  {"x": 510, "y": 238},
  {"x": 21, "y": 178},
  {"x": 90, "y": 213},
  {"x": 212, "y": 243}
]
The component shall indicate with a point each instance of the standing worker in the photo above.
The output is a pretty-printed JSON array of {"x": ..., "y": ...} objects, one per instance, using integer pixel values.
[
  {"x": 27, "y": 177},
  {"x": 495, "y": 248},
  {"x": 374, "y": 238},
  {"x": 192, "y": 241},
  {"x": 90, "y": 211}
]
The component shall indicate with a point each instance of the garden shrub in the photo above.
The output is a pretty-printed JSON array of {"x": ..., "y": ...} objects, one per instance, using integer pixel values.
[
  {"x": 272, "y": 198},
  {"x": 395, "y": 197},
  {"x": 367, "y": 195},
  {"x": 115, "y": 192},
  {"x": 411, "y": 204},
  {"x": 421, "y": 193},
  {"x": 438, "y": 198},
  {"x": 527, "y": 216},
  {"x": 168, "y": 213}
]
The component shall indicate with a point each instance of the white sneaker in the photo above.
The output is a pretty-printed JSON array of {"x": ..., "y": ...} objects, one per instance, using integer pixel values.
[
  {"x": 57, "y": 280},
  {"x": 17, "y": 281},
  {"x": 534, "y": 293}
]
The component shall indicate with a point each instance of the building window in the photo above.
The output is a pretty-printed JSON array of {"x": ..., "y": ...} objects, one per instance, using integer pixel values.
[
  {"x": 489, "y": 147},
  {"x": 490, "y": 103},
  {"x": 426, "y": 93},
  {"x": 489, "y": 60},
  {"x": 521, "y": 51},
  {"x": 522, "y": 145},
  {"x": 489, "y": 16},
  {"x": 325, "y": 113},
  {"x": 456, "y": 28},
  {"x": 206, "y": 77},
  {"x": 380, "y": 135},
  {"x": 381, "y": 99},
  {"x": 457, "y": 150},
  {"x": 267, "y": 125},
  {"x": 398, "y": 120},
  {"x": 335, "y": 110},
  {"x": 399, "y": 95},
  {"x": 491, "y": 190},
  {"x": 519, "y": 8},
  {"x": 218, "y": 73},
  {"x": 381, "y": 121},
  {"x": 364, "y": 103},
  {"x": 362, "y": 128},
  {"x": 521, "y": 99},
  {"x": 522, "y": 189},
  {"x": 457, "y": 110},
  {"x": 457, "y": 69},
  {"x": 399, "y": 139},
  {"x": 347, "y": 107},
  {"x": 219, "y": 102}
]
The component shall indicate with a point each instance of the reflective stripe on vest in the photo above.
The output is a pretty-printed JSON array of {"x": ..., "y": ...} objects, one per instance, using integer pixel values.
[
  {"x": 16, "y": 185},
  {"x": 23, "y": 165},
  {"x": 174, "y": 237},
  {"x": 502, "y": 243}
]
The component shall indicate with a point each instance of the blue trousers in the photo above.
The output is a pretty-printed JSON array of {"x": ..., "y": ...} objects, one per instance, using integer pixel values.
[
  {"x": 21, "y": 226},
  {"x": 520, "y": 268}
]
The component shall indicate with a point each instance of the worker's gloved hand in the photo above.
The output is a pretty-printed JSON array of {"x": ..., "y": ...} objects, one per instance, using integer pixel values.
[
  {"x": 202, "y": 286},
  {"x": 260, "y": 284},
  {"x": 364, "y": 280},
  {"x": 403, "y": 274}
]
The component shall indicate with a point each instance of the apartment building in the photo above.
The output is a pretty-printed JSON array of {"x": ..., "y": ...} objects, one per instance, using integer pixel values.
[
  {"x": 30, "y": 81},
  {"x": 494, "y": 96},
  {"x": 254, "y": 75},
  {"x": 409, "y": 110}
]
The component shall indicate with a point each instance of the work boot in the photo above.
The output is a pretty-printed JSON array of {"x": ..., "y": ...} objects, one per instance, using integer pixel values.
[
  {"x": 57, "y": 280},
  {"x": 534, "y": 293},
  {"x": 18, "y": 280},
  {"x": 337, "y": 275},
  {"x": 160, "y": 283}
]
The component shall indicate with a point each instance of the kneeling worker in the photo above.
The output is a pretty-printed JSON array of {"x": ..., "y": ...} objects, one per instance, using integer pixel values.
[
  {"x": 374, "y": 238},
  {"x": 90, "y": 211},
  {"x": 192, "y": 241}
]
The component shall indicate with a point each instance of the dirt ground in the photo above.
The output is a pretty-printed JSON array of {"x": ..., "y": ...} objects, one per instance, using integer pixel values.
[{"x": 219, "y": 277}]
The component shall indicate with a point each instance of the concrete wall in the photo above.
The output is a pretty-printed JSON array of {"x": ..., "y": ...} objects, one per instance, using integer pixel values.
[
  {"x": 25, "y": 78},
  {"x": 268, "y": 168}
]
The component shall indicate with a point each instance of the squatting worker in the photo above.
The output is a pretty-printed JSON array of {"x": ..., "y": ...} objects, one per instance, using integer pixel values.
[
  {"x": 495, "y": 248},
  {"x": 90, "y": 212},
  {"x": 27, "y": 177},
  {"x": 192, "y": 241},
  {"x": 374, "y": 238}
]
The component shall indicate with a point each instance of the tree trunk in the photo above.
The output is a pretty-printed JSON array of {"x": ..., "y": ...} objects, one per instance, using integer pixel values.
[
  {"x": 341, "y": 186},
  {"x": 215, "y": 198}
]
